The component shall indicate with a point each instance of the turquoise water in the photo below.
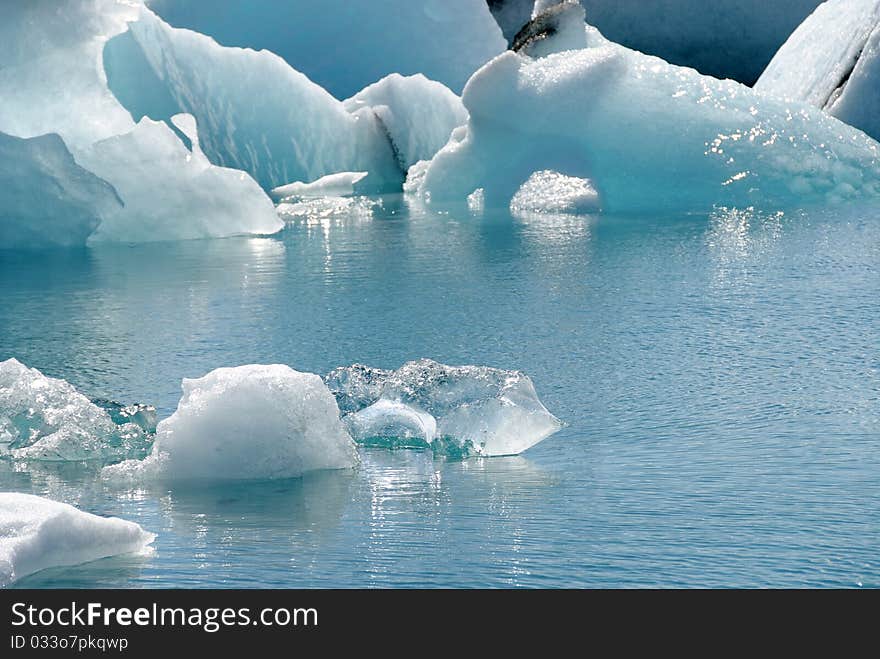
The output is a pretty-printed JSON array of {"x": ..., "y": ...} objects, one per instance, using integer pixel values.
[{"x": 719, "y": 377}]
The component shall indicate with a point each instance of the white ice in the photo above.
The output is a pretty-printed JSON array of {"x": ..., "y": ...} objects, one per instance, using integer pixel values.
[
  {"x": 172, "y": 193},
  {"x": 723, "y": 38},
  {"x": 38, "y": 533},
  {"x": 418, "y": 114},
  {"x": 53, "y": 81},
  {"x": 832, "y": 61},
  {"x": 341, "y": 184},
  {"x": 246, "y": 423},
  {"x": 257, "y": 114},
  {"x": 551, "y": 192},
  {"x": 46, "y": 198},
  {"x": 43, "y": 418},
  {"x": 647, "y": 134},
  {"x": 344, "y": 45},
  {"x": 461, "y": 410}
]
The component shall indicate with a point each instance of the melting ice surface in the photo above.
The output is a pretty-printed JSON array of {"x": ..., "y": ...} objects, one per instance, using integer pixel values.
[
  {"x": 456, "y": 410},
  {"x": 247, "y": 422},
  {"x": 46, "y": 419},
  {"x": 38, "y": 533},
  {"x": 647, "y": 134}
]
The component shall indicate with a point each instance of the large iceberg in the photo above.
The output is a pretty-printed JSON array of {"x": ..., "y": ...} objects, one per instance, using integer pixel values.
[
  {"x": 53, "y": 81},
  {"x": 38, "y": 533},
  {"x": 646, "y": 134},
  {"x": 246, "y": 423},
  {"x": 723, "y": 38},
  {"x": 296, "y": 131},
  {"x": 455, "y": 410},
  {"x": 174, "y": 193},
  {"x": 46, "y": 198},
  {"x": 43, "y": 418},
  {"x": 832, "y": 61},
  {"x": 344, "y": 45}
]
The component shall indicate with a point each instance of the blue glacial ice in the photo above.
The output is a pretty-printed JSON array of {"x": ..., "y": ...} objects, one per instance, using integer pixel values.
[
  {"x": 46, "y": 198},
  {"x": 455, "y": 410},
  {"x": 832, "y": 61},
  {"x": 246, "y": 423},
  {"x": 446, "y": 40},
  {"x": 46, "y": 419},
  {"x": 38, "y": 533},
  {"x": 646, "y": 134}
]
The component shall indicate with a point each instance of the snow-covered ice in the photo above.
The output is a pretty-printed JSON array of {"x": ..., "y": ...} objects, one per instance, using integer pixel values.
[
  {"x": 43, "y": 418},
  {"x": 344, "y": 45},
  {"x": 246, "y": 423},
  {"x": 460, "y": 410},
  {"x": 832, "y": 61},
  {"x": 38, "y": 533},
  {"x": 46, "y": 198},
  {"x": 172, "y": 193},
  {"x": 418, "y": 114},
  {"x": 648, "y": 135}
]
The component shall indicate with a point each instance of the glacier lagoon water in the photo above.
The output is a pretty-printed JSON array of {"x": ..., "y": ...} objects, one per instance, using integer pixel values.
[{"x": 720, "y": 379}]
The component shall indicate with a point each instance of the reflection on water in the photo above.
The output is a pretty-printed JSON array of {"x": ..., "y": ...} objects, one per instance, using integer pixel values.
[{"x": 719, "y": 377}]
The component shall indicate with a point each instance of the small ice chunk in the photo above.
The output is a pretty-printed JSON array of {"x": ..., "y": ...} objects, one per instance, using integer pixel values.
[
  {"x": 38, "y": 533},
  {"x": 341, "y": 184},
  {"x": 551, "y": 192},
  {"x": 246, "y": 423},
  {"x": 328, "y": 209},
  {"x": 46, "y": 419},
  {"x": 458, "y": 410}
]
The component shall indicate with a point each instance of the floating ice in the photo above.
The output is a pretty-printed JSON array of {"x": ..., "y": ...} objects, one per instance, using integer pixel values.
[
  {"x": 323, "y": 209},
  {"x": 341, "y": 184},
  {"x": 296, "y": 131},
  {"x": 171, "y": 193},
  {"x": 53, "y": 80},
  {"x": 458, "y": 410},
  {"x": 46, "y": 199},
  {"x": 832, "y": 61},
  {"x": 43, "y": 418},
  {"x": 418, "y": 114},
  {"x": 38, "y": 533},
  {"x": 551, "y": 192},
  {"x": 647, "y": 134},
  {"x": 246, "y": 423},
  {"x": 344, "y": 45}
]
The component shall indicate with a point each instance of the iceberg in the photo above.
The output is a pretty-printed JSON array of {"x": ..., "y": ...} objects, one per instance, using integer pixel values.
[
  {"x": 197, "y": 200},
  {"x": 246, "y": 423},
  {"x": 832, "y": 61},
  {"x": 418, "y": 114},
  {"x": 38, "y": 533},
  {"x": 724, "y": 38},
  {"x": 46, "y": 198},
  {"x": 647, "y": 135},
  {"x": 456, "y": 410},
  {"x": 551, "y": 192},
  {"x": 296, "y": 132},
  {"x": 54, "y": 81},
  {"x": 447, "y": 40},
  {"x": 47, "y": 419}
]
